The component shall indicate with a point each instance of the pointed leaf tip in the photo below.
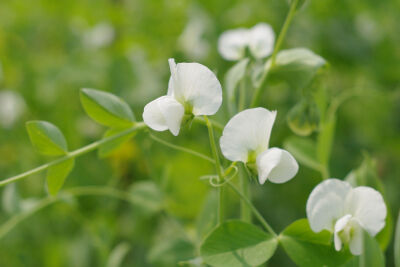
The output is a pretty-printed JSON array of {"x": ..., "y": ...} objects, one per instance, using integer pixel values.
[
  {"x": 106, "y": 108},
  {"x": 46, "y": 138}
]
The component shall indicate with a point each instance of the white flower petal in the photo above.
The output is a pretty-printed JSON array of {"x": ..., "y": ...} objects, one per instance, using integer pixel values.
[
  {"x": 232, "y": 43},
  {"x": 277, "y": 165},
  {"x": 339, "y": 226},
  {"x": 195, "y": 85},
  {"x": 356, "y": 241},
  {"x": 247, "y": 131},
  {"x": 164, "y": 113},
  {"x": 325, "y": 204},
  {"x": 367, "y": 205},
  {"x": 261, "y": 40}
]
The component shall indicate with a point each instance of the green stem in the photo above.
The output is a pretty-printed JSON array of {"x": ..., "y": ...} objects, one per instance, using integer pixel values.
[
  {"x": 181, "y": 148},
  {"x": 218, "y": 168},
  {"x": 253, "y": 209},
  {"x": 281, "y": 37},
  {"x": 242, "y": 95},
  {"x": 217, "y": 125},
  {"x": 137, "y": 126},
  {"x": 78, "y": 191},
  {"x": 245, "y": 213}
]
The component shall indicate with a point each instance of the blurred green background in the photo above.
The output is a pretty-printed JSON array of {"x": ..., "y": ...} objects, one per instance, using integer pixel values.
[{"x": 51, "y": 49}]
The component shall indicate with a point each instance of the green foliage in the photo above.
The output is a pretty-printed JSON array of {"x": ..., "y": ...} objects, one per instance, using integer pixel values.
[
  {"x": 147, "y": 197},
  {"x": 170, "y": 244},
  {"x": 106, "y": 108},
  {"x": 325, "y": 140},
  {"x": 118, "y": 254},
  {"x": 300, "y": 3},
  {"x": 46, "y": 138},
  {"x": 237, "y": 243},
  {"x": 307, "y": 248},
  {"x": 371, "y": 256},
  {"x": 303, "y": 118},
  {"x": 397, "y": 243},
  {"x": 108, "y": 148},
  {"x": 207, "y": 219},
  {"x": 296, "y": 66},
  {"x": 57, "y": 174},
  {"x": 304, "y": 150}
]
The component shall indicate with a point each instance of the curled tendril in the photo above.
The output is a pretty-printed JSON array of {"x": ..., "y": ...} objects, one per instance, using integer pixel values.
[{"x": 214, "y": 179}]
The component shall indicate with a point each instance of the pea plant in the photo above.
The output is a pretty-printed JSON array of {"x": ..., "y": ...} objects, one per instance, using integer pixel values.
[{"x": 348, "y": 221}]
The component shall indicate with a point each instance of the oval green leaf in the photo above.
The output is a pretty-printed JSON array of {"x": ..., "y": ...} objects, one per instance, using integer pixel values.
[
  {"x": 296, "y": 66},
  {"x": 46, "y": 138},
  {"x": 237, "y": 243},
  {"x": 106, "y": 109},
  {"x": 310, "y": 249},
  {"x": 57, "y": 174}
]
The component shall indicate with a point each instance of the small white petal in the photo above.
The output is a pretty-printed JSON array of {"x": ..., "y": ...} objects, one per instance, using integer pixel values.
[
  {"x": 195, "y": 85},
  {"x": 339, "y": 226},
  {"x": 164, "y": 113},
  {"x": 367, "y": 205},
  {"x": 356, "y": 241},
  {"x": 325, "y": 204},
  {"x": 247, "y": 131},
  {"x": 232, "y": 43},
  {"x": 261, "y": 40},
  {"x": 277, "y": 165}
]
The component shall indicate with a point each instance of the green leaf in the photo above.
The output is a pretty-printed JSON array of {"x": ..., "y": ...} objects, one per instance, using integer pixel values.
[
  {"x": 147, "y": 197},
  {"x": 57, "y": 174},
  {"x": 107, "y": 148},
  {"x": 296, "y": 66},
  {"x": 118, "y": 254},
  {"x": 325, "y": 140},
  {"x": 309, "y": 249},
  {"x": 397, "y": 243},
  {"x": 372, "y": 255},
  {"x": 46, "y": 138},
  {"x": 301, "y": 230},
  {"x": 237, "y": 243},
  {"x": 304, "y": 150},
  {"x": 106, "y": 108},
  {"x": 170, "y": 244}
]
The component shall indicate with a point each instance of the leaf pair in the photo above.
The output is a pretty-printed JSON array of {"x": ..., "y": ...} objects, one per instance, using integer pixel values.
[
  {"x": 105, "y": 108},
  {"x": 237, "y": 243},
  {"x": 50, "y": 141}
]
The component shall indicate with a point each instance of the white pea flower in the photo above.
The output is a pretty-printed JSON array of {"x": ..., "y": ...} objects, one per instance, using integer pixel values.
[
  {"x": 246, "y": 137},
  {"x": 337, "y": 207},
  {"x": 193, "y": 90},
  {"x": 259, "y": 40}
]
